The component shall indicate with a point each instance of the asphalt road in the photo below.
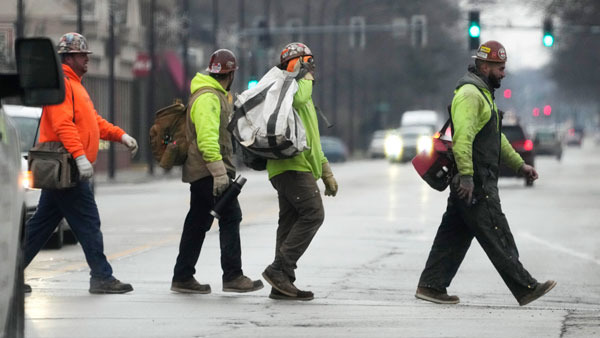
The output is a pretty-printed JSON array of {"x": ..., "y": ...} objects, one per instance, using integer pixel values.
[{"x": 363, "y": 265}]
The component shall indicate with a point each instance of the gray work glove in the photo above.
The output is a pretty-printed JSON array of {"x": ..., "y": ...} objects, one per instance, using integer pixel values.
[
  {"x": 86, "y": 171},
  {"x": 331, "y": 186},
  {"x": 307, "y": 69},
  {"x": 465, "y": 188},
  {"x": 130, "y": 143},
  {"x": 220, "y": 178},
  {"x": 529, "y": 172}
]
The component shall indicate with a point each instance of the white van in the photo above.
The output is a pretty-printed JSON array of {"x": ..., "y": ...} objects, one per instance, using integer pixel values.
[{"x": 429, "y": 118}]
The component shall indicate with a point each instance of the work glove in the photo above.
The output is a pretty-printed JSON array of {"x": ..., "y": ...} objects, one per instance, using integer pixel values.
[
  {"x": 130, "y": 143},
  {"x": 331, "y": 186},
  {"x": 465, "y": 188},
  {"x": 86, "y": 171},
  {"x": 529, "y": 172},
  {"x": 220, "y": 178}
]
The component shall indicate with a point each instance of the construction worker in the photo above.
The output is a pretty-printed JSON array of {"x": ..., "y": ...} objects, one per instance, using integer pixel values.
[
  {"x": 474, "y": 205},
  {"x": 76, "y": 124},
  {"x": 209, "y": 169},
  {"x": 301, "y": 210}
]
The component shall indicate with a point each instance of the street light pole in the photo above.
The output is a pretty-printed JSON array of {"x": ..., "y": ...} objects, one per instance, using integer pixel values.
[
  {"x": 79, "y": 17},
  {"x": 151, "y": 76},
  {"x": 111, "y": 84}
]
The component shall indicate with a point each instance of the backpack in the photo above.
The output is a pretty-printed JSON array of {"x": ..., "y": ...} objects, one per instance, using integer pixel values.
[
  {"x": 167, "y": 135},
  {"x": 264, "y": 122}
]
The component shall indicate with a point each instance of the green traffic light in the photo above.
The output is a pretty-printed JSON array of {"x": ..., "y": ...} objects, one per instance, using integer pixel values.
[
  {"x": 474, "y": 31},
  {"x": 252, "y": 83},
  {"x": 548, "y": 40}
]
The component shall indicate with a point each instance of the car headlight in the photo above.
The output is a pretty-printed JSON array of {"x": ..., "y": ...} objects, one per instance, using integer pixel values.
[
  {"x": 26, "y": 179},
  {"x": 393, "y": 146},
  {"x": 424, "y": 143}
]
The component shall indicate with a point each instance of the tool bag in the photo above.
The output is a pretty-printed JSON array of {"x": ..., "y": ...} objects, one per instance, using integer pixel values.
[
  {"x": 51, "y": 165},
  {"x": 436, "y": 167},
  {"x": 264, "y": 122}
]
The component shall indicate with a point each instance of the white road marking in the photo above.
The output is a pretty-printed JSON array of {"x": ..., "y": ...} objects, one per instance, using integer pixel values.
[{"x": 558, "y": 247}]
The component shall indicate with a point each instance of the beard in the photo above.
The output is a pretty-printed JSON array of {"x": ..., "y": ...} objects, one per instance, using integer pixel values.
[{"x": 496, "y": 82}]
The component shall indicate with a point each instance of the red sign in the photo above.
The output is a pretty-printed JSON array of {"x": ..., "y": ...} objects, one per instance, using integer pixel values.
[{"x": 142, "y": 65}]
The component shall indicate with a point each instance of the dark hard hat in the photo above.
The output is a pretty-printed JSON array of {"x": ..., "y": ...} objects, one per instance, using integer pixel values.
[
  {"x": 491, "y": 51},
  {"x": 294, "y": 50},
  {"x": 222, "y": 61}
]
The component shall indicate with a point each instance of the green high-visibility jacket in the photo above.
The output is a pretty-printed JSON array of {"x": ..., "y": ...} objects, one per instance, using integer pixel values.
[
  {"x": 310, "y": 160},
  {"x": 470, "y": 113}
]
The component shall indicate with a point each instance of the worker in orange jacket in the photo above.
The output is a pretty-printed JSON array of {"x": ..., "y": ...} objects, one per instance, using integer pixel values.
[{"x": 76, "y": 124}]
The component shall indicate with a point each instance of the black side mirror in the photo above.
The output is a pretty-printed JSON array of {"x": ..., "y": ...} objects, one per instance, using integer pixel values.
[{"x": 40, "y": 74}]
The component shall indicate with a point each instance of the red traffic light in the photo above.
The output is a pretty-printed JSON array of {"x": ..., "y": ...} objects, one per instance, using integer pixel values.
[
  {"x": 507, "y": 93},
  {"x": 536, "y": 111},
  {"x": 547, "y": 110}
]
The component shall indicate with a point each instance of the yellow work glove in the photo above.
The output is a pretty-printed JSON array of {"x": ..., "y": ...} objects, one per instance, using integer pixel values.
[{"x": 331, "y": 186}]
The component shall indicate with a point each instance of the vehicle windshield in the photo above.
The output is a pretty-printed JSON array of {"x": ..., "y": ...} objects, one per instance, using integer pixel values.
[
  {"x": 513, "y": 133},
  {"x": 26, "y": 127}
]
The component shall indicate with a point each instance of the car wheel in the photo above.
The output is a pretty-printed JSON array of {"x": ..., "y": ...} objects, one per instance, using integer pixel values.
[{"x": 57, "y": 239}]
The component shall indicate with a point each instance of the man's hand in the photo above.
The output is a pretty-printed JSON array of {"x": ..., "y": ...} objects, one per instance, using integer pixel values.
[
  {"x": 130, "y": 143},
  {"x": 307, "y": 69},
  {"x": 529, "y": 172},
  {"x": 331, "y": 186},
  {"x": 465, "y": 188},
  {"x": 86, "y": 171},
  {"x": 220, "y": 178}
]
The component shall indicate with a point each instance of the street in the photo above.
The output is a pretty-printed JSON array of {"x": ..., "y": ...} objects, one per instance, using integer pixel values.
[{"x": 363, "y": 265}]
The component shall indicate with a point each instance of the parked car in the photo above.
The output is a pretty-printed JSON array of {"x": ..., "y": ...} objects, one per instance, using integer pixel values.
[
  {"x": 26, "y": 120},
  {"x": 377, "y": 144},
  {"x": 406, "y": 142},
  {"x": 523, "y": 145},
  {"x": 334, "y": 149},
  {"x": 548, "y": 142},
  {"x": 575, "y": 136},
  {"x": 39, "y": 81}
]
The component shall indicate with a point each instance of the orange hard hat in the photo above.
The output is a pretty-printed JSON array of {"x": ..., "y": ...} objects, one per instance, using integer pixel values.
[
  {"x": 491, "y": 51},
  {"x": 222, "y": 61}
]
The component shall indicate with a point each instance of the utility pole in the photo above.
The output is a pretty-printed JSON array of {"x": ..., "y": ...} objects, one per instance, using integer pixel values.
[
  {"x": 151, "y": 76},
  {"x": 111, "y": 83},
  {"x": 215, "y": 23},
  {"x": 80, "y": 17},
  {"x": 241, "y": 51},
  {"x": 185, "y": 46},
  {"x": 20, "y": 19}
]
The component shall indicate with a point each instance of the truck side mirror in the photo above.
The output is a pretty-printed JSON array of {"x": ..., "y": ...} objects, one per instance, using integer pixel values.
[{"x": 40, "y": 74}]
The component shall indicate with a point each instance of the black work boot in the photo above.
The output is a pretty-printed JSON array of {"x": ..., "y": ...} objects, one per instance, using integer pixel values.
[
  {"x": 242, "y": 284},
  {"x": 300, "y": 295},
  {"x": 435, "y": 296},
  {"x": 279, "y": 281},
  {"x": 190, "y": 286},
  {"x": 540, "y": 290},
  {"x": 109, "y": 286}
]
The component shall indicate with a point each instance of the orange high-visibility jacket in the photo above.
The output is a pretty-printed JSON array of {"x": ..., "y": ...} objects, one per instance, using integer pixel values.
[{"x": 79, "y": 135}]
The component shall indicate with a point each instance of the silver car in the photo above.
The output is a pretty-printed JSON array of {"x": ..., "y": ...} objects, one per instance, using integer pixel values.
[{"x": 39, "y": 81}]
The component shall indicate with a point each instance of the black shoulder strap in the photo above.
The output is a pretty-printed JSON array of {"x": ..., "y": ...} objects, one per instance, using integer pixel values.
[{"x": 40, "y": 120}]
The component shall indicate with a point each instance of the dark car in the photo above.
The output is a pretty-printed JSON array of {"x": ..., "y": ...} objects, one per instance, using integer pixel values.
[
  {"x": 548, "y": 142},
  {"x": 334, "y": 149},
  {"x": 523, "y": 145},
  {"x": 407, "y": 142},
  {"x": 575, "y": 136}
]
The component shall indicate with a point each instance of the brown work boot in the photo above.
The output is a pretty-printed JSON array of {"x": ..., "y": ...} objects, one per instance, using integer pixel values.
[
  {"x": 109, "y": 286},
  {"x": 435, "y": 296},
  {"x": 540, "y": 290},
  {"x": 300, "y": 295},
  {"x": 190, "y": 286},
  {"x": 242, "y": 284},
  {"x": 279, "y": 281}
]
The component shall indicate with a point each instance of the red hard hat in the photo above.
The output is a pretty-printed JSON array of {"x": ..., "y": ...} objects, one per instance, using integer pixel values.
[
  {"x": 294, "y": 50},
  {"x": 491, "y": 51},
  {"x": 222, "y": 61}
]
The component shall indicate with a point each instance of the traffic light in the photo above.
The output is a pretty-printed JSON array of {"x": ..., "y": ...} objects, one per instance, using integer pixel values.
[
  {"x": 252, "y": 82},
  {"x": 548, "y": 38},
  {"x": 507, "y": 93},
  {"x": 547, "y": 110},
  {"x": 474, "y": 29}
]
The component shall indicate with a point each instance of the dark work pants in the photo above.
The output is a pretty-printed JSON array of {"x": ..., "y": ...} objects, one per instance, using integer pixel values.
[
  {"x": 301, "y": 214},
  {"x": 485, "y": 221},
  {"x": 198, "y": 222},
  {"x": 78, "y": 206}
]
